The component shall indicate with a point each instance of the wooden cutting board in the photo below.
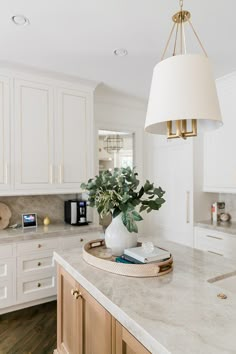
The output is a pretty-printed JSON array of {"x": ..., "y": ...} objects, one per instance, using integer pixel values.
[{"x": 5, "y": 215}]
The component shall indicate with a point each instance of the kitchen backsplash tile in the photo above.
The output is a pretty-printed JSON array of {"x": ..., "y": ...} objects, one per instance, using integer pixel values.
[
  {"x": 44, "y": 205},
  {"x": 230, "y": 203}
]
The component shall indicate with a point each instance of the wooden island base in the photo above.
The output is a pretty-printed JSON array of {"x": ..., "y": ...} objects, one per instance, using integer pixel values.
[{"x": 85, "y": 327}]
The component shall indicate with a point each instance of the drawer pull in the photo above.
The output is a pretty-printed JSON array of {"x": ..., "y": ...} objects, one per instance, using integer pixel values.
[
  {"x": 81, "y": 240},
  {"x": 39, "y": 264},
  {"x": 218, "y": 254},
  {"x": 39, "y": 246},
  {"x": 215, "y": 237},
  {"x": 39, "y": 285}
]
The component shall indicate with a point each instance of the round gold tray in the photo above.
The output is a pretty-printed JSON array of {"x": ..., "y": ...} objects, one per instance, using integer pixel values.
[{"x": 91, "y": 256}]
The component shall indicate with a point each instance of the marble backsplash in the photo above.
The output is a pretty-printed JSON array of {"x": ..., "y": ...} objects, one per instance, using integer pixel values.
[
  {"x": 44, "y": 205},
  {"x": 230, "y": 204}
]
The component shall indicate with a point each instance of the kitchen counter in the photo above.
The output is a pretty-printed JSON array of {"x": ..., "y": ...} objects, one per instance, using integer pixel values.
[
  {"x": 55, "y": 230},
  {"x": 227, "y": 227},
  {"x": 178, "y": 313}
]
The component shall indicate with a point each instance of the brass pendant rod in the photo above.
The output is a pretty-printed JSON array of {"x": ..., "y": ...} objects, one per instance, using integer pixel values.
[
  {"x": 176, "y": 38},
  {"x": 181, "y": 37},
  {"x": 199, "y": 41},
  {"x": 184, "y": 40},
  {"x": 168, "y": 42}
]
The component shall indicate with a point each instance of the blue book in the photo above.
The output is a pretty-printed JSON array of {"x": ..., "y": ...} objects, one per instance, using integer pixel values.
[
  {"x": 122, "y": 260},
  {"x": 129, "y": 259}
]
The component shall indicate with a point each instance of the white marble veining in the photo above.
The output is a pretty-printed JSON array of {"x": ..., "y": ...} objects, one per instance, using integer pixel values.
[
  {"x": 178, "y": 313},
  {"x": 19, "y": 234},
  {"x": 227, "y": 227}
]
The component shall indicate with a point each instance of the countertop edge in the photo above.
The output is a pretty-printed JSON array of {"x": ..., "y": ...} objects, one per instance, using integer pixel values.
[
  {"x": 44, "y": 233},
  {"x": 226, "y": 228},
  {"x": 147, "y": 340}
]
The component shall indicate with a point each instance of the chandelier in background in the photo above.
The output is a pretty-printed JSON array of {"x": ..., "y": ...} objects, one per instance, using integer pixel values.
[
  {"x": 113, "y": 143},
  {"x": 183, "y": 92}
]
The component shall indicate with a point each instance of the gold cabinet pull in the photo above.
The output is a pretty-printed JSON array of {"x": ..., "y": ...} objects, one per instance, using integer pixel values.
[
  {"x": 39, "y": 285},
  {"x": 215, "y": 237},
  {"x": 39, "y": 264},
  {"x": 218, "y": 254},
  {"x": 76, "y": 293}
]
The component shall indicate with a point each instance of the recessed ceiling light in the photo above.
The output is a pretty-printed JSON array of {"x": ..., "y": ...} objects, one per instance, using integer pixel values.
[
  {"x": 20, "y": 20},
  {"x": 120, "y": 52}
]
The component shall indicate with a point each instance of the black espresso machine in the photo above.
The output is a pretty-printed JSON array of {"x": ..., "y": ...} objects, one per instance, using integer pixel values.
[{"x": 76, "y": 212}]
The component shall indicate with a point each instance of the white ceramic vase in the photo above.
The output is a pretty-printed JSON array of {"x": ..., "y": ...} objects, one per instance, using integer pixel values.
[{"x": 117, "y": 237}]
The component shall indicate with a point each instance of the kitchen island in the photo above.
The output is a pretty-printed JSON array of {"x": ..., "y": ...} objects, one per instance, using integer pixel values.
[{"x": 178, "y": 313}]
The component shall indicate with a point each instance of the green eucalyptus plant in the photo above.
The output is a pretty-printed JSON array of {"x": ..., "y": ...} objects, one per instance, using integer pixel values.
[{"x": 117, "y": 192}]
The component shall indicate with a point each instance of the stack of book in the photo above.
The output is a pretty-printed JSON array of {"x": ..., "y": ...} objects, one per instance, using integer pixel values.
[{"x": 137, "y": 255}]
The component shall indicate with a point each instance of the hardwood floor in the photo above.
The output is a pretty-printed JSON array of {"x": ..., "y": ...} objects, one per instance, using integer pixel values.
[{"x": 29, "y": 331}]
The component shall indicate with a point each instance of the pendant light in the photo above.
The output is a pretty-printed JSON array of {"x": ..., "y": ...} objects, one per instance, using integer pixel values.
[
  {"x": 183, "y": 97},
  {"x": 113, "y": 143}
]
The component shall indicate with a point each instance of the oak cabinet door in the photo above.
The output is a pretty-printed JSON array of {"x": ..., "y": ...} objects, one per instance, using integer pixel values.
[
  {"x": 73, "y": 137},
  {"x": 97, "y": 326},
  {"x": 5, "y": 165},
  {"x": 126, "y": 343},
  {"x": 69, "y": 315},
  {"x": 33, "y": 135}
]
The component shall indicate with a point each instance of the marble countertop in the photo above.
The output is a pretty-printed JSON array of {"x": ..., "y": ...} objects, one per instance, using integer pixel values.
[
  {"x": 227, "y": 227},
  {"x": 55, "y": 230},
  {"x": 178, "y": 313}
]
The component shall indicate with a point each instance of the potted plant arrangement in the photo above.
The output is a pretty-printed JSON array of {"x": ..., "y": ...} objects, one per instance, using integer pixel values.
[{"x": 118, "y": 193}]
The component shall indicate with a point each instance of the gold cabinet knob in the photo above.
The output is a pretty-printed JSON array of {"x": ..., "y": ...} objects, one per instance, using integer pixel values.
[
  {"x": 39, "y": 264},
  {"x": 76, "y": 293},
  {"x": 39, "y": 285},
  {"x": 39, "y": 246}
]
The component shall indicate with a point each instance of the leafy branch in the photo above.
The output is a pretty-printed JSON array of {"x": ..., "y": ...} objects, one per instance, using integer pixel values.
[{"x": 117, "y": 192}]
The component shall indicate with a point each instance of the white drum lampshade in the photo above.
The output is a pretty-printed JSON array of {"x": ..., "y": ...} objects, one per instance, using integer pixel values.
[{"x": 183, "y": 88}]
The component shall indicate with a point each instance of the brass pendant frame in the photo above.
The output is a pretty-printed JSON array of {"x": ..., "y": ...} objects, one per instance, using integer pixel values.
[
  {"x": 181, "y": 129},
  {"x": 181, "y": 16}
]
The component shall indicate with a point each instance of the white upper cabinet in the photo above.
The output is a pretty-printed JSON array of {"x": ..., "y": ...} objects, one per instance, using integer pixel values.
[
  {"x": 72, "y": 127},
  {"x": 5, "y": 161},
  {"x": 46, "y": 134},
  {"x": 34, "y": 155},
  {"x": 220, "y": 145}
]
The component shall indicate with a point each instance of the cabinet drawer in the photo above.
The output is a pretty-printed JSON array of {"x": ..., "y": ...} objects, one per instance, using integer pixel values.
[
  {"x": 7, "y": 267},
  {"x": 215, "y": 242},
  {"x": 32, "y": 264},
  {"x": 32, "y": 288},
  {"x": 73, "y": 241},
  {"x": 208, "y": 241},
  {"x": 6, "y": 251},
  {"x": 36, "y": 246}
]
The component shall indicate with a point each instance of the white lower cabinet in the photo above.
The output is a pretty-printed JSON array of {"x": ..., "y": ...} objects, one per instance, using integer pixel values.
[
  {"x": 7, "y": 294},
  {"x": 36, "y": 274},
  {"x": 36, "y": 286},
  {"x": 27, "y": 270},
  {"x": 215, "y": 242},
  {"x": 73, "y": 242},
  {"x": 7, "y": 277},
  {"x": 33, "y": 264}
]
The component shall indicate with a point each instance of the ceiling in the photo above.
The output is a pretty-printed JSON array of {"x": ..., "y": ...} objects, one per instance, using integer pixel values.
[{"x": 77, "y": 37}]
